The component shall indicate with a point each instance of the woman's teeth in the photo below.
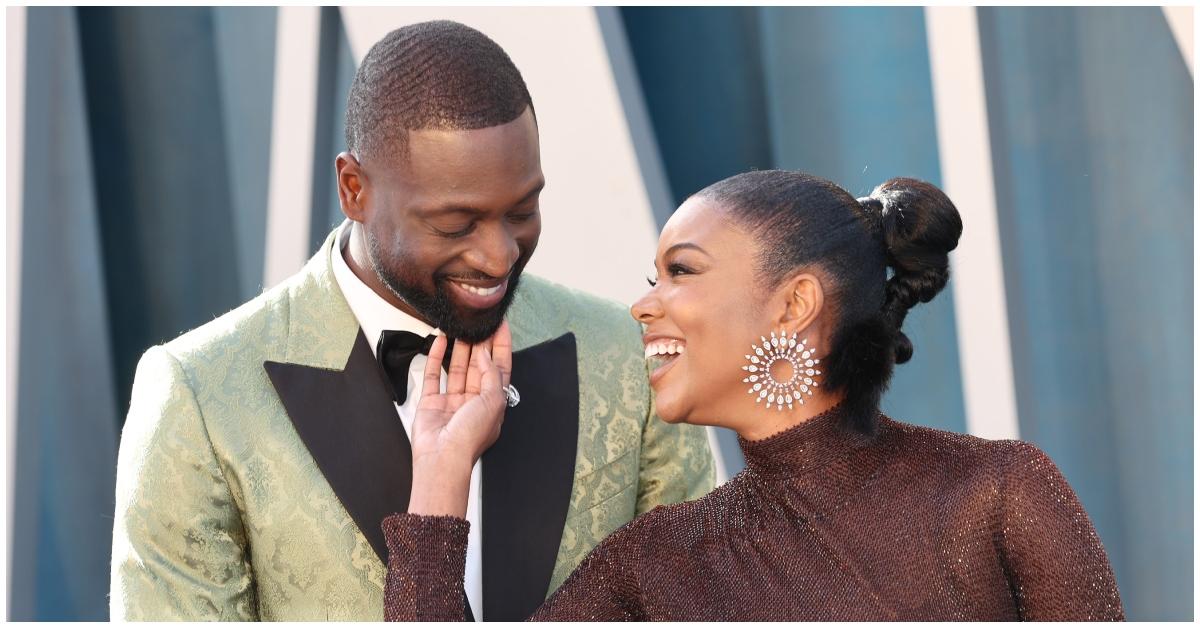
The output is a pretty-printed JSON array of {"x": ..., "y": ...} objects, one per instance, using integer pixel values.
[
  {"x": 483, "y": 292},
  {"x": 669, "y": 348}
]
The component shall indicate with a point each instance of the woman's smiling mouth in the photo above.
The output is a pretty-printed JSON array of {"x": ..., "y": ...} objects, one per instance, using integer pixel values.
[{"x": 661, "y": 354}]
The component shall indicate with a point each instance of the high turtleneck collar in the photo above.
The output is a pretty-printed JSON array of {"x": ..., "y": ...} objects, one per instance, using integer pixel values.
[{"x": 802, "y": 448}]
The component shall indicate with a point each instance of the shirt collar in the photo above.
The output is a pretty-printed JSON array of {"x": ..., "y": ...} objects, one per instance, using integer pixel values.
[{"x": 374, "y": 314}]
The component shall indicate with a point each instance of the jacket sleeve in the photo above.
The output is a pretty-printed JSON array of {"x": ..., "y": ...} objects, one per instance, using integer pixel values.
[
  {"x": 1057, "y": 567},
  {"x": 676, "y": 463},
  {"x": 179, "y": 548},
  {"x": 427, "y": 557}
]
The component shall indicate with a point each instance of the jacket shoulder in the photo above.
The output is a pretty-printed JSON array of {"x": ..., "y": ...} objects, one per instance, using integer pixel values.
[
  {"x": 260, "y": 323},
  {"x": 557, "y": 309},
  {"x": 543, "y": 295}
]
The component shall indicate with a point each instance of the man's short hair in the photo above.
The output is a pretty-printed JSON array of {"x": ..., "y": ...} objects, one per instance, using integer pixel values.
[{"x": 431, "y": 75}]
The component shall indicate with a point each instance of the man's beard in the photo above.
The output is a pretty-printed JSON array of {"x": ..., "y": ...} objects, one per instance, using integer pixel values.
[{"x": 437, "y": 308}]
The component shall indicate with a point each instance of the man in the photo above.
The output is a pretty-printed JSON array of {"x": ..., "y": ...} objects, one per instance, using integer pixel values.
[{"x": 263, "y": 450}]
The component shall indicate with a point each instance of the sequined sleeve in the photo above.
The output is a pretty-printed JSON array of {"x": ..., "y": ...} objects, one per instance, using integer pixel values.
[
  {"x": 427, "y": 558},
  {"x": 1056, "y": 564}
]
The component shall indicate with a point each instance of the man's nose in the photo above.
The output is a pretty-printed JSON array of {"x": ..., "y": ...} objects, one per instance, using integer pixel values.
[{"x": 497, "y": 252}]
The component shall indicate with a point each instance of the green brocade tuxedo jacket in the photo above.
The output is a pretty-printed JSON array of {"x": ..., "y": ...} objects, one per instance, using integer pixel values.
[{"x": 262, "y": 451}]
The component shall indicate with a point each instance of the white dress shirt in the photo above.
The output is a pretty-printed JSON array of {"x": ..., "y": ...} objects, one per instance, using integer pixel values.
[{"x": 374, "y": 315}]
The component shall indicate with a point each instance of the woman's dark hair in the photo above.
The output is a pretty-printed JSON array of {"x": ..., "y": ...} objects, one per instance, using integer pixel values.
[{"x": 905, "y": 225}]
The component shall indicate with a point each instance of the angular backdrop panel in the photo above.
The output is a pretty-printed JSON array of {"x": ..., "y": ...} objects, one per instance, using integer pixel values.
[{"x": 1092, "y": 137}]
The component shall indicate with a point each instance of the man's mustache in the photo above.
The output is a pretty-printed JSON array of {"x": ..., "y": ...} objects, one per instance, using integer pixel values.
[
  {"x": 514, "y": 270},
  {"x": 477, "y": 277}
]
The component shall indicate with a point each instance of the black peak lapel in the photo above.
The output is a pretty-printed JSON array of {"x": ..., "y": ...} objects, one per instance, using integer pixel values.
[
  {"x": 349, "y": 424},
  {"x": 527, "y": 479}
]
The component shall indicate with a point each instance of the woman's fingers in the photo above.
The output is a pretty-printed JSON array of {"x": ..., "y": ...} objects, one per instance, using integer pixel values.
[
  {"x": 475, "y": 371},
  {"x": 502, "y": 352},
  {"x": 492, "y": 395},
  {"x": 490, "y": 391},
  {"x": 433, "y": 367},
  {"x": 490, "y": 381},
  {"x": 456, "y": 379},
  {"x": 483, "y": 372}
]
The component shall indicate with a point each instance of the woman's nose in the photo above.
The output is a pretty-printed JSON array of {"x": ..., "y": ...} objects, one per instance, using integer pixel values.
[{"x": 647, "y": 308}]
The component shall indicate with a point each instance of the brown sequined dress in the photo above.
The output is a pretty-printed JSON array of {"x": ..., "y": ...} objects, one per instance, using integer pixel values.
[{"x": 915, "y": 524}]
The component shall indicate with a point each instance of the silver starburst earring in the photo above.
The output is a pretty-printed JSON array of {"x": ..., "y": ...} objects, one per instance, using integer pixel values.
[{"x": 764, "y": 386}]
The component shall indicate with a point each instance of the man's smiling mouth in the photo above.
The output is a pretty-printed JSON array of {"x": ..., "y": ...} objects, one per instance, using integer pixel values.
[{"x": 479, "y": 295}]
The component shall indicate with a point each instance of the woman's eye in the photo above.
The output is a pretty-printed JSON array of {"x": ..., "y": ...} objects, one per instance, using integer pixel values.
[
  {"x": 519, "y": 218},
  {"x": 678, "y": 269},
  {"x": 673, "y": 270}
]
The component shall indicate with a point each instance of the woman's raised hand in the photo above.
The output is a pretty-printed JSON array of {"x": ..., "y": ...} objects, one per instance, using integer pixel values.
[{"x": 452, "y": 429}]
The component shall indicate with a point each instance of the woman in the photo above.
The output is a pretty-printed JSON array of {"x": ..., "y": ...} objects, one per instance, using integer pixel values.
[{"x": 777, "y": 313}]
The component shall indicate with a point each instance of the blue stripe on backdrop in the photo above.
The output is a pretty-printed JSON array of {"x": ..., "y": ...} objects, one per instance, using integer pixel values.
[
  {"x": 245, "y": 47},
  {"x": 1092, "y": 129},
  {"x": 162, "y": 184},
  {"x": 701, "y": 74},
  {"x": 67, "y": 412},
  {"x": 850, "y": 99},
  {"x": 334, "y": 77}
]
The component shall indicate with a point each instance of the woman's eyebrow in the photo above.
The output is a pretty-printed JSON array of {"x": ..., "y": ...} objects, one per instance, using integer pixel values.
[{"x": 685, "y": 245}]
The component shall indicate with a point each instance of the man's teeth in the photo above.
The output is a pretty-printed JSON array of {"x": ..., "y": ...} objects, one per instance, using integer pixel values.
[
  {"x": 483, "y": 292},
  {"x": 664, "y": 348}
]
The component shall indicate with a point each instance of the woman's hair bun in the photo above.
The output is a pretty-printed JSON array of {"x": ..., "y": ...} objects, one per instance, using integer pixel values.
[{"x": 920, "y": 226}]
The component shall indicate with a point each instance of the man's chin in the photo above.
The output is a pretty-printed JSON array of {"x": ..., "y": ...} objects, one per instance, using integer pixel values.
[
  {"x": 472, "y": 325},
  {"x": 475, "y": 325}
]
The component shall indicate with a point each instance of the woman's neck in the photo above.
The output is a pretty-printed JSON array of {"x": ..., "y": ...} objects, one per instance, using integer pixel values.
[{"x": 767, "y": 423}]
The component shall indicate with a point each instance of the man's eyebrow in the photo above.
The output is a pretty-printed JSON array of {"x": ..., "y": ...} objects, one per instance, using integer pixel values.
[
  {"x": 475, "y": 211},
  {"x": 451, "y": 209},
  {"x": 537, "y": 189}
]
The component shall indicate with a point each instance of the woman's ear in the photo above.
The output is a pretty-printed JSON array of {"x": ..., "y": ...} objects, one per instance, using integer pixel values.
[
  {"x": 804, "y": 300},
  {"x": 351, "y": 187}
]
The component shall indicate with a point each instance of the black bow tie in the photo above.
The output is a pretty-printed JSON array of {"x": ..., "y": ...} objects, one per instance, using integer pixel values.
[{"x": 396, "y": 350}]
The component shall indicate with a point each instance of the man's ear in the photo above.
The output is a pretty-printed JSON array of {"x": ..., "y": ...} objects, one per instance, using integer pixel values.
[{"x": 352, "y": 187}]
